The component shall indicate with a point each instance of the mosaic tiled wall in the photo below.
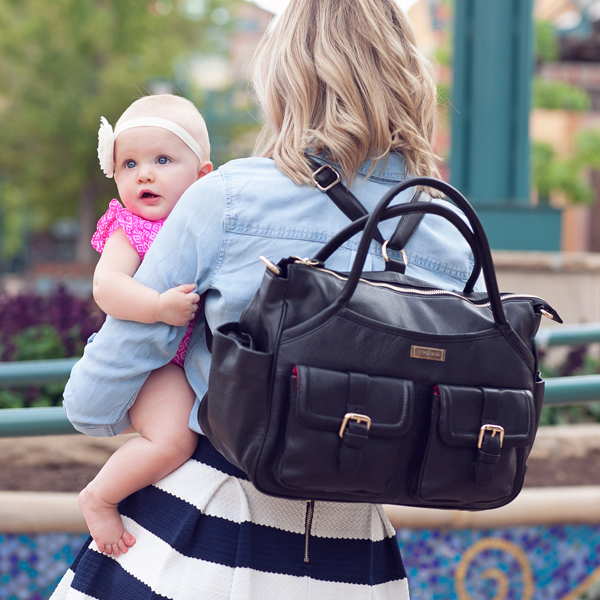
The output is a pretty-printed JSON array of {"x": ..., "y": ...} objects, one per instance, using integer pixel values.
[
  {"x": 520, "y": 563},
  {"x": 31, "y": 565}
]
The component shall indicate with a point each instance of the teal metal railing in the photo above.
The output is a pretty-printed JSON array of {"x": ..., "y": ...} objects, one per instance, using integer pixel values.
[
  {"x": 19, "y": 422},
  {"x": 35, "y": 372},
  {"x": 16, "y": 422},
  {"x": 569, "y": 335}
]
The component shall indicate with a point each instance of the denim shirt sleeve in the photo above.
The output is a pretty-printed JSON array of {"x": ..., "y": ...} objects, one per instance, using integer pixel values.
[{"x": 105, "y": 382}]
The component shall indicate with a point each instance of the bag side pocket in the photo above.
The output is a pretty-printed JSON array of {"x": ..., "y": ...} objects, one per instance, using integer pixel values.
[
  {"x": 478, "y": 442},
  {"x": 234, "y": 412},
  {"x": 345, "y": 431}
]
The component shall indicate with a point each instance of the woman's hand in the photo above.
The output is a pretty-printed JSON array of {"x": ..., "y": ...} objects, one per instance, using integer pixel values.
[{"x": 178, "y": 305}]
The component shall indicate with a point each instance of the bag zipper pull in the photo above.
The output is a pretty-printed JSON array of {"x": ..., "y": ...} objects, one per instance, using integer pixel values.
[
  {"x": 272, "y": 267},
  {"x": 550, "y": 313}
]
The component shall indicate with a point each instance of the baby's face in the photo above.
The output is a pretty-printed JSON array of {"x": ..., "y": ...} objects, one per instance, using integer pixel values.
[{"x": 153, "y": 167}]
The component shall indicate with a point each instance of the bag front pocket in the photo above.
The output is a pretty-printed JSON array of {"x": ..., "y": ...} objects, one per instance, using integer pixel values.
[
  {"x": 477, "y": 445},
  {"x": 345, "y": 430}
]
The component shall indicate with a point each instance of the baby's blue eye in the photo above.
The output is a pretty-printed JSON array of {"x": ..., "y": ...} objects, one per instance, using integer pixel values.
[
  {"x": 162, "y": 160},
  {"x": 130, "y": 164}
]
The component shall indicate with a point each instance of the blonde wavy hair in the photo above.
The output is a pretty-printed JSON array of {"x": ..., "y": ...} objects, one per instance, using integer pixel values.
[{"x": 344, "y": 77}]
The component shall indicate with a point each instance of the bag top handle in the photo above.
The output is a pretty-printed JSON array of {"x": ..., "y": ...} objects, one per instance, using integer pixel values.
[
  {"x": 480, "y": 251},
  {"x": 403, "y": 209}
]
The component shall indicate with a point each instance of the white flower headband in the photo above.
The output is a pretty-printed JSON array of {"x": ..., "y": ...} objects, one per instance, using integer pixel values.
[{"x": 107, "y": 137}]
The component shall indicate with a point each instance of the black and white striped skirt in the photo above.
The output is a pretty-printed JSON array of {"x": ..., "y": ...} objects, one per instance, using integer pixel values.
[{"x": 205, "y": 533}]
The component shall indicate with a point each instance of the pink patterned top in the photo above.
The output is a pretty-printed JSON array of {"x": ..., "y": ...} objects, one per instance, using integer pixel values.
[{"x": 141, "y": 234}]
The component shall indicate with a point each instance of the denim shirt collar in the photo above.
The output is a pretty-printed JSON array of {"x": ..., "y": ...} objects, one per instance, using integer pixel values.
[{"x": 391, "y": 168}]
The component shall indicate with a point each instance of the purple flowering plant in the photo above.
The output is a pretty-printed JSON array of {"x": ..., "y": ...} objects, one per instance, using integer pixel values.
[{"x": 37, "y": 327}]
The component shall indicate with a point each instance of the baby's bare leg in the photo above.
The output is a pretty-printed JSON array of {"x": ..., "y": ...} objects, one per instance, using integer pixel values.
[{"x": 160, "y": 415}]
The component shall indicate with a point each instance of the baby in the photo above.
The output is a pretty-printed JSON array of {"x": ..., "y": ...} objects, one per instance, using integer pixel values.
[{"x": 158, "y": 149}]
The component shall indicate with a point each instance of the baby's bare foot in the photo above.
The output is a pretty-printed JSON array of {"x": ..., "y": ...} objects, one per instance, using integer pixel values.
[{"x": 105, "y": 524}]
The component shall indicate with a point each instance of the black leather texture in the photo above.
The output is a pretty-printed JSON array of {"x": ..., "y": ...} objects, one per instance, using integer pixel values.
[{"x": 378, "y": 387}]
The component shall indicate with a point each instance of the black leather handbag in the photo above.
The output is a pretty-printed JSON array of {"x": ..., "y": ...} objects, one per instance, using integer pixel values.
[{"x": 378, "y": 387}]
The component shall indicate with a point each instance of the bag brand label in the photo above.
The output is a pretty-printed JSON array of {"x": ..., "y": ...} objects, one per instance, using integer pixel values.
[{"x": 428, "y": 353}]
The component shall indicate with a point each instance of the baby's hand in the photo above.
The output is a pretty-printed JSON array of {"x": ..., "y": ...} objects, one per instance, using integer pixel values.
[{"x": 178, "y": 305}]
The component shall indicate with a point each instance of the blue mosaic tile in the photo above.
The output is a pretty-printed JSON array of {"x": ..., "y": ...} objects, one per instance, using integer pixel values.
[
  {"x": 32, "y": 565},
  {"x": 518, "y": 563}
]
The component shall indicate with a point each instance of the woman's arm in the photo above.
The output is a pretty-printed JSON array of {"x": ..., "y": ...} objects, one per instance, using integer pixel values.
[{"x": 122, "y": 297}]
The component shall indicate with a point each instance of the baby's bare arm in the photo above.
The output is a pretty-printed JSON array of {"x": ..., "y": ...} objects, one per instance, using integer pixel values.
[{"x": 122, "y": 297}]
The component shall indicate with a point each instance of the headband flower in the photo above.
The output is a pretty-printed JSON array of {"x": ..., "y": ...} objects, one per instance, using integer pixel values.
[{"x": 106, "y": 147}]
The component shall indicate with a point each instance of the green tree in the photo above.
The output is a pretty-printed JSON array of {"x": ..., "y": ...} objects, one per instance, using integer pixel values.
[{"x": 64, "y": 63}]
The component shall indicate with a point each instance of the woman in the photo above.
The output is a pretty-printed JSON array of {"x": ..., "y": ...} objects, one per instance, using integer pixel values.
[{"x": 340, "y": 80}]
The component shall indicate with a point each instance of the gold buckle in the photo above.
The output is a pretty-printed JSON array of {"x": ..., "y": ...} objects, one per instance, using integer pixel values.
[
  {"x": 494, "y": 429},
  {"x": 337, "y": 180},
  {"x": 354, "y": 417},
  {"x": 387, "y": 258}
]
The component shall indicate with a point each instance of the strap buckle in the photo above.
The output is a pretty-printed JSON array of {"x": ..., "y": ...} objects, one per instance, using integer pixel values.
[
  {"x": 354, "y": 417},
  {"x": 494, "y": 429},
  {"x": 387, "y": 258},
  {"x": 328, "y": 187}
]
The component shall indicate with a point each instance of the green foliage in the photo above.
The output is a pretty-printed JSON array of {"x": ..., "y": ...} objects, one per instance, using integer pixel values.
[
  {"x": 37, "y": 343},
  {"x": 64, "y": 63},
  {"x": 588, "y": 148},
  {"x": 443, "y": 53},
  {"x": 45, "y": 395},
  {"x": 543, "y": 158},
  {"x": 34, "y": 327},
  {"x": 558, "y": 95},
  {"x": 14, "y": 221},
  {"x": 551, "y": 173},
  {"x": 546, "y": 41}
]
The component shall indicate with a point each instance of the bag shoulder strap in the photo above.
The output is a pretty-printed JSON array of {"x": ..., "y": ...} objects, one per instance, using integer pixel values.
[
  {"x": 328, "y": 180},
  {"x": 408, "y": 224}
]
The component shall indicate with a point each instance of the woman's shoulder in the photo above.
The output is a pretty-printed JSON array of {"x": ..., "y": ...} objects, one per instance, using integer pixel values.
[
  {"x": 256, "y": 169},
  {"x": 240, "y": 175},
  {"x": 246, "y": 185}
]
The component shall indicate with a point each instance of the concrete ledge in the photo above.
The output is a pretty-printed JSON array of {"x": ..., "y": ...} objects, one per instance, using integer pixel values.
[
  {"x": 566, "y": 441},
  {"x": 553, "y": 262},
  {"x": 43, "y": 512},
  {"x": 534, "y": 506},
  {"x": 40, "y": 512}
]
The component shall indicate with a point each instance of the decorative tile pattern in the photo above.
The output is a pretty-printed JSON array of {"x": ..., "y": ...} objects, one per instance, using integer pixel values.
[
  {"x": 519, "y": 563},
  {"x": 31, "y": 565}
]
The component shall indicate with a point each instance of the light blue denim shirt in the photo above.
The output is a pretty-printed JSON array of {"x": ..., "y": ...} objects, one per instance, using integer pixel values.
[{"x": 214, "y": 237}]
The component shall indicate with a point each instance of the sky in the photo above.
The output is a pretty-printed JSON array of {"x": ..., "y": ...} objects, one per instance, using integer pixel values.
[{"x": 278, "y": 6}]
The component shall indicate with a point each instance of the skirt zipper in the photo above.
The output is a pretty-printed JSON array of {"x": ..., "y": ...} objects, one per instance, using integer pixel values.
[{"x": 310, "y": 510}]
